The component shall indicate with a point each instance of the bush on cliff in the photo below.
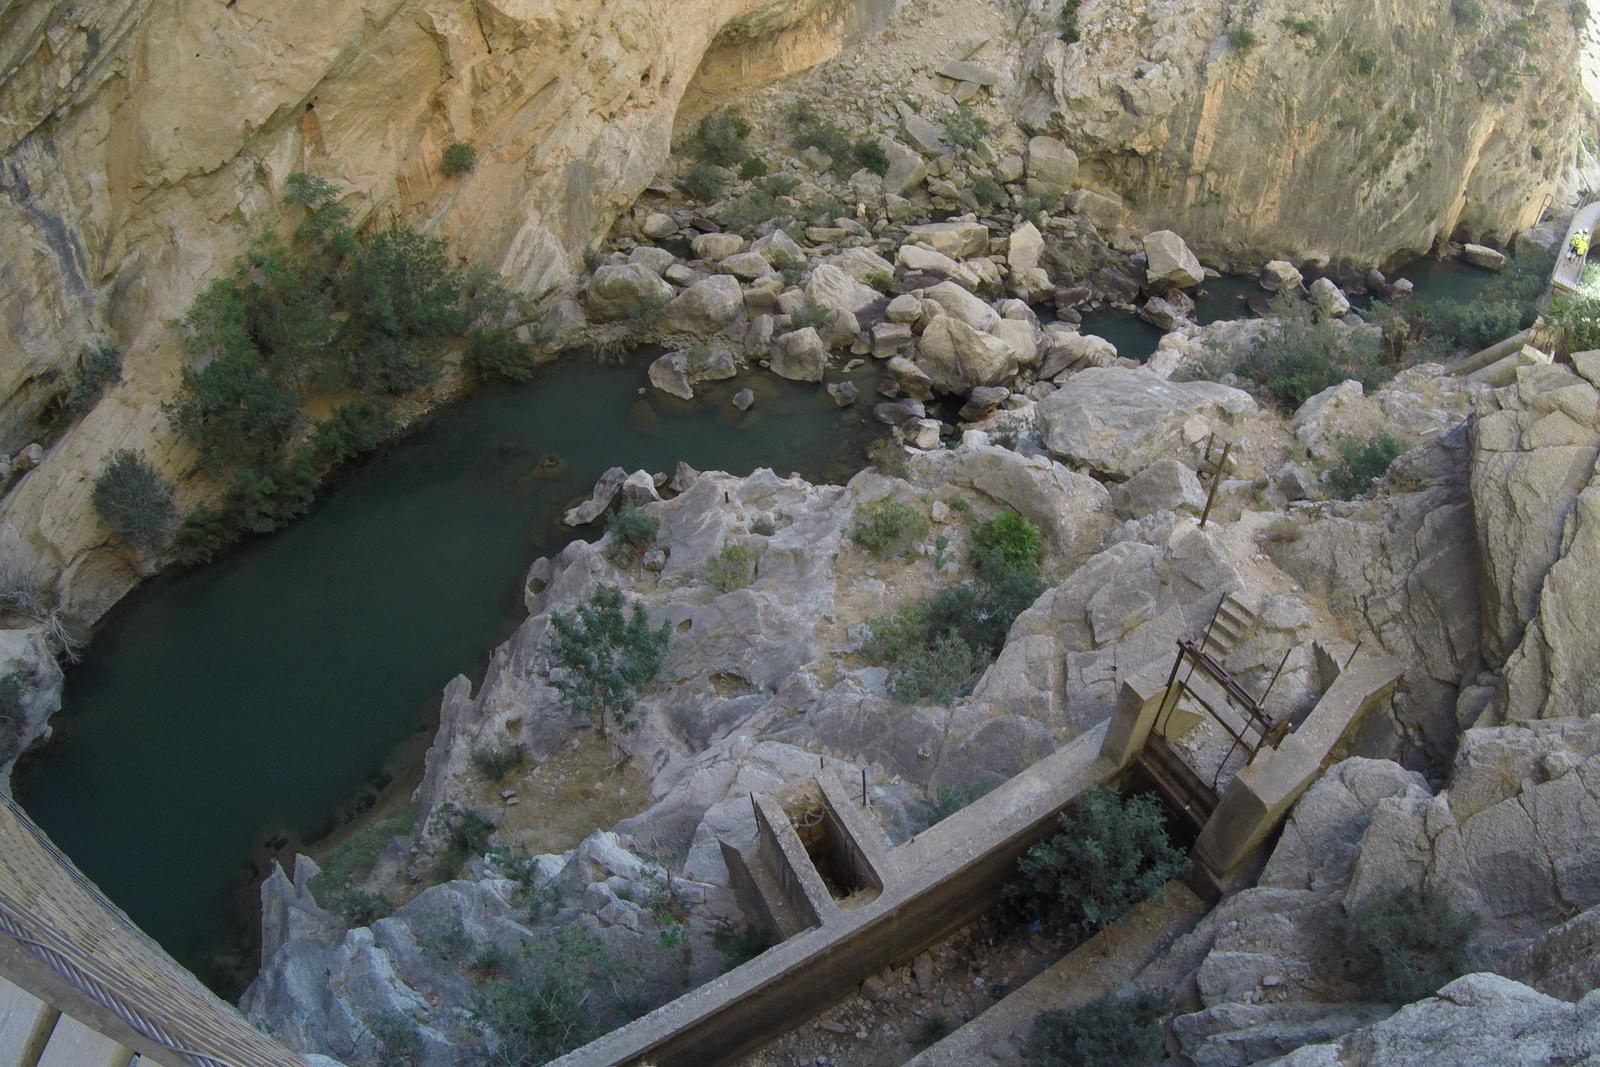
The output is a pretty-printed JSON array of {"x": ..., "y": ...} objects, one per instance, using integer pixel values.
[
  {"x": 1108, "y": 1032},
  {"x": 606, "y": 658},
  {"x": 1302, "y": 353},
  {"x": 1111, "y": 854},
  {"x": 1406, "y": 944},
  {"x": 133, "y": 499},
  {"x": 1361, "y": 462}
]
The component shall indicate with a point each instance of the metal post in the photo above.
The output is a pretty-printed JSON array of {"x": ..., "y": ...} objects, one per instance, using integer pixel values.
[
  {"x": 1216, "y": 480},
  {"x": 863, "y": 787}
]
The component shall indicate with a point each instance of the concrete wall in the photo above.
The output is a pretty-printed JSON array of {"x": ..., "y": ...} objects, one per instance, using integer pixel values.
[
  {"x": 933, "y": 885},
  {"x": 1262, "y": 793},
  {"x": 802, "y": 887}
]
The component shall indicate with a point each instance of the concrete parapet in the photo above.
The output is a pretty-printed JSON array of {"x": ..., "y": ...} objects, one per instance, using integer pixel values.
[
  {"x": 932, "y": 885},
  {"x": 1263, "y": 792},
  {"x": 1141, "y": 701},
  {"x": 802, "y": 887},
  {"x": 856, "y": 841},
  {"x": 1503, "y": 371}
]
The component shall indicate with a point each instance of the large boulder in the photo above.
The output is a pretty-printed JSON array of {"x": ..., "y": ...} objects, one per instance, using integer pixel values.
[
  {"x": 958, "y": 359},
  {"x": 963, "y": 305},
  {"x": 716, "y": 247},
  {"x": 706, "y": 305},
  {"x": 1330, "y": 298},
  {"x": 618, "y": 288},
  {"x": 1052, "y": 167},
  {"x": 1483, "y": 256},
  {"x": 958, "y": 240},
  {"x": 1116, "y": 421},
  {"x": 907, "y": 169},
  {"x": 832, "y": 289},
  {"x": 1068, "y": 350},
  {"x": 1280, "y": 274},
  {"x": 800, "y": 356},
  {"x": 670, "y": 374},
  {"x": 862, "y": 264},
  {"x": 1026, "y": 248},
  {"x": 920, "y": 259},
  {"x": 1169, "y": 261}
]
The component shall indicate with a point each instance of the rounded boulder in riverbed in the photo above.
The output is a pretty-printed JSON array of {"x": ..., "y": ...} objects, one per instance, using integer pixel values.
[{"x": 743, "y": 399}]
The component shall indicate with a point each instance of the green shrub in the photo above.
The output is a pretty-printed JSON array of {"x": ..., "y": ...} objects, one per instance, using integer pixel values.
[
  {"x": 1068, "y": 22},
  {"x": 870, "y": 154},
  {"x": 645, "y": 312},
  {"x": 742, "y": 945},
  {"x": 987, "y": 192},
  {"x": 1578, "y": 12},
  {"x": 733, "y": 568},
  {"x": 703, "y": 182},
  {"x": 1301, "y": 27},
  {"x": 753, "y": 167},
  {"x": 942, "y": 804},
  {"x": 1013, "y": 430},
  {"x": 463, "y": 833},
  {"x": 780, "y": 184},
  {"x": 811, "y": 130},
  {"x": 232, "y": 408},
  {"x": 749, "y": 210},
  {"x": 720, "y": 139},
  {"x": 133, "y": 499},
  {"x": 262, "y": 497},
  {"x": 764, "y": 526},
  {"x": 491, "y": 960},
  {"x": 1243, "y": 38},
  {"x": 633, "y": 530},
  {"x": 887, "y": 527},
  {"x": 352, "y": 860},
  {"x": 537, "y": 1019},
  {"x": 922, "y": 669},
  {"x": 1404, "y": 945},
  {"x": 361, "y": 908},
  {"x": 399, "y": 1039},
  {"x": 606, "y": 659},
  {"x": 459, "y": 158},
  {"x": 1455, "y": 324},
  {"x": 1360, "y": 464},
  {"x": 494, "y": 762},
  {"x": 355, "y": 429},
  {"x": 1111, "y": 854},
  {"x": 965, "y": 128},
  {"x": 496, "y": 352},
  {"x": 1300, "y": 354},
  {"x": 1103, "y": 1033},
  {"x": 1575, "y": 322},
  {"x": 98, "y": 367},
  {"x": 1467, "y": 12},
  {"x": 1008, "y": 540},
  {"x": 1366, "y": 61}
]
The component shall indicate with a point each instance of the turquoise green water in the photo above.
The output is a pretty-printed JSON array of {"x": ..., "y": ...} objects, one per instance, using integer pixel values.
[{"x": 253, "y": 700}]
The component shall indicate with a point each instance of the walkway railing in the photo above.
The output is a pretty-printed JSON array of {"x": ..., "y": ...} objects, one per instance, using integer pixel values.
[{"x": 63, "y": 941}]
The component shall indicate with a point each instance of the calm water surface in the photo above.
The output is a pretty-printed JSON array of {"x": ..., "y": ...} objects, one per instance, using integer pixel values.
[{"x": 256, "y": 699}]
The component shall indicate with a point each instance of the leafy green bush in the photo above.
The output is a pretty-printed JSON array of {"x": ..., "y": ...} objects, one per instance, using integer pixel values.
[
  {"x": 534, "y": 1020},
  {"x": 1301, "y": 27},
  {"x": 1243, "y": 38},
  {"x": 742, "y": 945},
  {"x": 491, "y": 959},
  {"x": 1575, "y": 322},
  {"x": 1068, "y": 22},
  {"x": 606, "y": 658},
  {"x": 811, "y": 130},
  {"x": 233, "y": 408},
  {"x": 703, "y": 182},
  {"x": 780, "y": 185},
  {"x": 399, "y": 1039},
  {"x": 870, "y": 154},
  {"x": 494, "y": 762},
  {"x": 1103, "y": 1033},
  {"x": 965, "y": 128},
  {"x": 750, "y": 209},
  {"x": 1406, "y": 944},
  {"x": 98, "y": 367},
  {"x": 1360, "y": 464},
  {"x": 987, "y": 192},
  {"x": 1300, "y": 354},
  {"x": 924, "y": 669},
  {"x": 1473, "y": 324},
  {"x": 720, "y": 139},
  {"x": 1005, "y": 541},
  {"x": 645, "y": 312},
  {"x": 753, "y": 167},
  {"x": 464, "y": 833},
  {"x": 358, "y": 907},
  {"x": 633, "y": 530},
  {"x": 459, "y": 158},
  {"x": 133, "y": 499},
  {"x": 887, "y": 527},
  {"x": 733, "y": 568},
  {"x": 1111, "y": 854},
  {"x": 495, "y": 352},
  {"x": 1366, "y": 61},
  {"x": 940, "y": 805},
  {"x": 355, "y": 429},
  {"x": 1467, "y": 12}
]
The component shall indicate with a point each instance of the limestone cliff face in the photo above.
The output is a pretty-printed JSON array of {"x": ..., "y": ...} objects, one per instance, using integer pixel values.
[
  {"x": 1354, "y": 131},
  {"x": 141, "y": 141}
]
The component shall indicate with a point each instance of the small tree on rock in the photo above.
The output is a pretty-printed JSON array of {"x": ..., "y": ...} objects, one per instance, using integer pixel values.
[
  {"x": 134, "y": 499},
  {"x": 606, "y": 658},
  {"x": 1406, "y": 944}
]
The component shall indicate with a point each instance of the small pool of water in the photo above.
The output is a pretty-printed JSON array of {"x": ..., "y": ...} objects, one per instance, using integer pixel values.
[{"x": 237, "y": 708}]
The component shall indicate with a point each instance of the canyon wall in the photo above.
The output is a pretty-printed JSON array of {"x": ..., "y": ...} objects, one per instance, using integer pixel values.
[
  {"x": 1316, "y": 131},
  {"x": 143, "y": 141}
]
